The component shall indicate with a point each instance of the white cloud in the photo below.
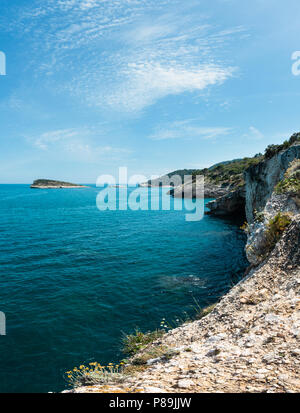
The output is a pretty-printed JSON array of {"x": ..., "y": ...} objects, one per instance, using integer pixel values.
[
  {"x": 254, "y": 134},
  {"x": 144, "y": 84},
  {"x": 45, "y": 140},
  {"x": 125, "y": 54},
  {"x": 79, "y": 145},
  {"x": 188, "y": 129}
]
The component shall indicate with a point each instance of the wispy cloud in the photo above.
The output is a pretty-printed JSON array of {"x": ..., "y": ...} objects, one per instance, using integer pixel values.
[
  {"x": 188, "y": 129},
  {"x": 145, "y": 83},
  {"x": 76, "y": 145},
  {"x": 112, "y": 54},
  {"x": 254, "y": 134},
  {"x": 47, "y": 139}
]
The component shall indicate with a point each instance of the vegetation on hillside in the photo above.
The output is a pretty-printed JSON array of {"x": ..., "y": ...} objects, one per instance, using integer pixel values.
[
  {"x": 291, "y": 182},
  {"x": 275, "y": 229},
  {"x": 274, "y": 149},
  {"x": 133, "y": 343},
  {"x": 229, "y": 173}
]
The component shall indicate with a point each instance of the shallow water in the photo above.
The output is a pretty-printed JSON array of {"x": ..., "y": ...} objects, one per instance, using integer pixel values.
[{"x": 74, "y": 278}]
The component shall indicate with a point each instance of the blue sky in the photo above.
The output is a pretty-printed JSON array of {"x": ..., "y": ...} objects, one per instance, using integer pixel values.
[{"x": 154, "y": 85}]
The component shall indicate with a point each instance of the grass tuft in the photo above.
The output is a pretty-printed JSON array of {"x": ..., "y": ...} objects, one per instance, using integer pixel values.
[
  {"x": 275, "y": 229},
  {"x": 291, "y": 182},
  {"x": 134, "y": 343},
  {"x": 94, "y": 374}
]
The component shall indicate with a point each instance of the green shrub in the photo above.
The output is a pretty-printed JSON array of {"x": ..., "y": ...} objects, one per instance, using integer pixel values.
[
  {"x": 259, "y": 216},
  {"x": 163, "y": 352},
  {"x": 133, "y": 343},
  {"x": 94, "y": 374},
  {"x": 291, "y": 181},
  {"x": 275, "y": 229},
  {"x": 245, "y": 227},
  {"x": 205, "y": 311},
  {"x": 274, "y": 149}
]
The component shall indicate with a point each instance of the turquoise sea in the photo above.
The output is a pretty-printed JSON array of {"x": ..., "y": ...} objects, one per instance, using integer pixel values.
[{"x": 74, "y": 278}]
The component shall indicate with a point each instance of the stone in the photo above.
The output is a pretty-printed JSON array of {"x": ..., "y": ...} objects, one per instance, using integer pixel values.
[{"x": 185, "y": 383}]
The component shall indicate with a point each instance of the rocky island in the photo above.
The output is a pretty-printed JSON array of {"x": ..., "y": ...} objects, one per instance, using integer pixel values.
[
  {"x": 52, "y": 184},
  {"x": 249, "y": 340}
]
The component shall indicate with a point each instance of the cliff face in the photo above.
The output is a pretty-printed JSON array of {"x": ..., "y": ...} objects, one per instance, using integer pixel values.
[
  {"x": 231, "y": 203},
  {"x": 263, "y": 177},
  {"x": 260, "y": 180},
  {"x": 276, "y": 211}
]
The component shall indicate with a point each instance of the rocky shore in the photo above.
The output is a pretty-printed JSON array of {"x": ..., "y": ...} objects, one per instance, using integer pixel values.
[{"x": 249, "y": 341}]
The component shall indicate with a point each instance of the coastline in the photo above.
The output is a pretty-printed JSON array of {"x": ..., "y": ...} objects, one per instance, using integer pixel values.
[{"x": 248, "y": 342}]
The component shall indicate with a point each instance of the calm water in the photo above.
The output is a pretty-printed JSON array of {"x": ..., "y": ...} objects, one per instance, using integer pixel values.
[{"x": 73, "y": 278}]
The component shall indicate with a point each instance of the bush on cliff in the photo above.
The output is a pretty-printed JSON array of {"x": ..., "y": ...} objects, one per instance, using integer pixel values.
[
  {"x": 229, "y": 173},
  {"x": 274, "y": 149},
  {"x": 275, "y": 229},
  {"x": 291, "y": 182},
  {"x": 133, "y": 343}
]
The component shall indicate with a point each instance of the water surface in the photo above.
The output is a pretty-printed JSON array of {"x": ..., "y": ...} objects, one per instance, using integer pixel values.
[{"x": 74, "y": 278}]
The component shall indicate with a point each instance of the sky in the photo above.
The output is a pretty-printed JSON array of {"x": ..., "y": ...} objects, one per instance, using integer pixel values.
[{"x": 152, "y": 85}]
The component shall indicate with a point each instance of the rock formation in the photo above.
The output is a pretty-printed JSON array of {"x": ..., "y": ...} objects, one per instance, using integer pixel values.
[
  {"x": 193, "y": 190},
  {"x": 229, "y": 204},
  {"x": 262, "y": 178}
]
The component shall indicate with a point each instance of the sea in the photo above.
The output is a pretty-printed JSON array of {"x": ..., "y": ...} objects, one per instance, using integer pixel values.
[{"x": 76, "y": 279}]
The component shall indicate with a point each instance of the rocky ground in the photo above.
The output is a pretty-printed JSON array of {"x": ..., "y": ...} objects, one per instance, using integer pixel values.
[{"x": 248, "y": 343}]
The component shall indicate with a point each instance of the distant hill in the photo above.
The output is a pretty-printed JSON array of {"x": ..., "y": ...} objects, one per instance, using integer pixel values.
[
  {"x": 52, "y": 184},
  {"x": 229, "y": 172},
  {"x": 160, "y": 181}
]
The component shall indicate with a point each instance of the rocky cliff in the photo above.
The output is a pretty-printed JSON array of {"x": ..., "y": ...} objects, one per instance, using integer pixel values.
[
  {"x": 232, "y": 203},
  {"x": 263, "y": 177},
  {"x": 260, "y": 180},
  {"x": 249, "y": 341},
  {"x": 220, "y": 179}
]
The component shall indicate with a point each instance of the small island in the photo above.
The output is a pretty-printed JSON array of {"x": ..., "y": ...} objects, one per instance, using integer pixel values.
[{"x": 51, "y": 184}]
